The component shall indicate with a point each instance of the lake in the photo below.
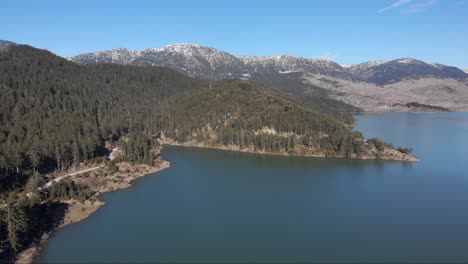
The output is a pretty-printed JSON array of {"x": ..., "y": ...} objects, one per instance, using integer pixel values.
[{"x": 220, "y": 206}]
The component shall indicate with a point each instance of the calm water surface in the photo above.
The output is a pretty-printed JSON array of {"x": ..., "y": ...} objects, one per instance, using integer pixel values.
[{"x": 219, "y": 206}]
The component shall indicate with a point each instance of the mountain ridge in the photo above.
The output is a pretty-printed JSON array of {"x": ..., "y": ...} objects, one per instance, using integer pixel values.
[{"x": 202, "y": 61}]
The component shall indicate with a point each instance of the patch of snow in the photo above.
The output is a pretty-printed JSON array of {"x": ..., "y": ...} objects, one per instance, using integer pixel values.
[
  {"x": 405, "y": 61},
  {"x": 267, "y": 130},
  {"x": 286, "y": 72},
  {"x": 319, "y": 60},
  {"x": 374, "y": 63}
]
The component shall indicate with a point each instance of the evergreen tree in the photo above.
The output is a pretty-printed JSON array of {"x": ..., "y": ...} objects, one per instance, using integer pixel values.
[{"x": 17, "y": 224}]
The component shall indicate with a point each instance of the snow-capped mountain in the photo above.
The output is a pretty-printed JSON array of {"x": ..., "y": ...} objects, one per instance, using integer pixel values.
[
  {"x": 357, "y": 69},
  {"x": 196, "y": 60},
  {"x": 119, "y": 56},
  {"x": 285, "y": 64},
  {"x": 386, "y": 72}
]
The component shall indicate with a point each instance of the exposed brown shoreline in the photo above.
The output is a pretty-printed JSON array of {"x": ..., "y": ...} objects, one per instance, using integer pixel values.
[
  {"x": 395, "y": 157},
  {"x": 77, "y": 211}
]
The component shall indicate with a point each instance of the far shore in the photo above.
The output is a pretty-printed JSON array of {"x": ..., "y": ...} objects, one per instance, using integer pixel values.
[{"x": 223, "y": 147}]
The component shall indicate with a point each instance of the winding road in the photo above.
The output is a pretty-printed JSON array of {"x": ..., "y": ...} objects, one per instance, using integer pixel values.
[{"x": 58, "y": 179}]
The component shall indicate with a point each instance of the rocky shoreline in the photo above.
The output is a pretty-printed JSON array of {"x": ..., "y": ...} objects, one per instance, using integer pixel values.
[
  {"x": 388, "y": 154},
  {"x": 77, "y": 211}
]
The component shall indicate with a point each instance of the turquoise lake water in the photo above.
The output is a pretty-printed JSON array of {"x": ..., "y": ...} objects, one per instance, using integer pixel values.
[{"x": 220, "y": 206}]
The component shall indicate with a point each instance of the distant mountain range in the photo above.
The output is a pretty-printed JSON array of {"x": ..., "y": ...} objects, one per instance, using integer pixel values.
[
  {"x": 196, "y": 60},
  {"x": 383, "y": 85},
  {"x": 200, "y": 61},
  {"x": 394, "y": 85}
]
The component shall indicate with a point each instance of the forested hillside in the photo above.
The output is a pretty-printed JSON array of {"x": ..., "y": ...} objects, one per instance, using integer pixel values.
[
  {"x": 55, "y": 114},
  {"x": 242, "y": 114},
  {"x": 293, "y": 85}
]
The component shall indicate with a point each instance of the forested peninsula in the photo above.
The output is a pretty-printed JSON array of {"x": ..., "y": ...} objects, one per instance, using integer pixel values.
[{"x": 57, "y": 116}]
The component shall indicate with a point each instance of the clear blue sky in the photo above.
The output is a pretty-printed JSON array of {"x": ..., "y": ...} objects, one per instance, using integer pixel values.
[{"x": 347, "y": 31}]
